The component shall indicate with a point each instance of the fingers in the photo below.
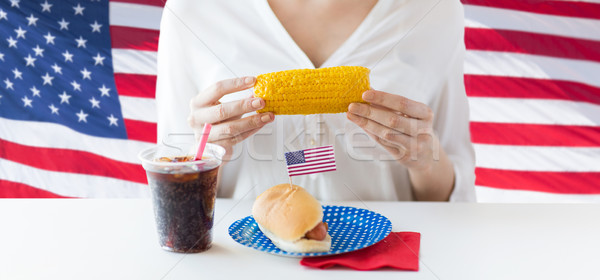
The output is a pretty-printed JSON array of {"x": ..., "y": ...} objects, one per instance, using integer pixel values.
[
  {"x": 237, "y": 130},
  {"x": 212, "y": 94},
  {"x": 224, "y": 111},
  {"x": 385, "y": 117},
  {"x": 392, "y": 136},
  {"x": 399, "y": 103}
]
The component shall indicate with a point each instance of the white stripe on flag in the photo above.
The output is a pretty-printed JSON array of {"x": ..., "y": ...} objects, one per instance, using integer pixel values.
[
  {"x": 134, "y": 15},
  {"x": 531, "y": 66},
  {"x": 130, "y": 106},
  {"x": 71, "y": 184},
  {"x": 487, "y": 194},
  {"x": 533, "y": 111},
  {"x": 496, "y": 18},
  {"x": 134, "y": 61},
  {"x": 538, "y": 158}
]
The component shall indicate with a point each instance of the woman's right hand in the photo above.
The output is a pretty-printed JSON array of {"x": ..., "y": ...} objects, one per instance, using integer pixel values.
[{"x": 229, "y": 128}]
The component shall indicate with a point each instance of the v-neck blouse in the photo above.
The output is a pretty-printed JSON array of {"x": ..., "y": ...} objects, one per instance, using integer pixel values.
[{"x": 414, "y": 48}]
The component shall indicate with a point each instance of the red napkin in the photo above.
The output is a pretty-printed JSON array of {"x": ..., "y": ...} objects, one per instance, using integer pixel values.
[{"x": 398, "y": 250}]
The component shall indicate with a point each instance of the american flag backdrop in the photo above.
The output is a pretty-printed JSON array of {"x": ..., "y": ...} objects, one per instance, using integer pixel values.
[
  {"x": 532, "y": 74},
  {"x": 310, "y": 161},
  {"x": 77, "y": 85},
  {"x": 76, "y": 96}
]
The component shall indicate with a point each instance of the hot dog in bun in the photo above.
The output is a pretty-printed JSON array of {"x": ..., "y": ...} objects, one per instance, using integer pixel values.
[{"x": 292, "y": 218}]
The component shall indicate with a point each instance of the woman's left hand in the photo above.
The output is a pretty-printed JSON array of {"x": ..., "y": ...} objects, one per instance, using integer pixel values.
[{"x": 404, "y": 127}]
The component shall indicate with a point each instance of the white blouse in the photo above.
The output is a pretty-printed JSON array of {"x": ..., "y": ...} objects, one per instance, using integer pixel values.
[{"x": 414, "y": 48}]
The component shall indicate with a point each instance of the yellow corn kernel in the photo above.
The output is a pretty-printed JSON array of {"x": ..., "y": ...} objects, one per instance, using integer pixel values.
[{"x": 312, "y": 91}]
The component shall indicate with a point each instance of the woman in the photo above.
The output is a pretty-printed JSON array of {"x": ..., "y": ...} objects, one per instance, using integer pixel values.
[{"x": 411, "y": 142}]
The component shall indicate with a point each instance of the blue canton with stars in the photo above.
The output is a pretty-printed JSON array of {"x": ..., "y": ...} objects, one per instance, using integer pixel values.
[
  {"x": 55, "y": 65},
  {"x": 296, "y": 157}
]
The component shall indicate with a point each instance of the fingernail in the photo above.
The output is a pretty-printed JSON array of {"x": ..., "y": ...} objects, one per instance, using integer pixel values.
[
  {"x": 352, "y": 108},
  {"x": 265, "y": 118},
  {"x": 256, "y": 103},
  {"x": 367, "y": 95},
  {"x": 249, "y": 80}
]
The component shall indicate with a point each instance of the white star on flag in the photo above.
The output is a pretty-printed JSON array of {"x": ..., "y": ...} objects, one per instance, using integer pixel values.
[
  {"x": 95, "y": 103},
  {"x": 86, "y": 74},
  {"x": 46, "y": 6},
  {"x": 49, "y": 38},
  {"x": 63, "y": 24},
  {"x": 104, "y": 91},
  {"x": 56, "y": 68},
  {"x": 15, "y": 3},
  {"x": 82, "y": 116},
  {"x": 96, "y": 26},
  {"x": 68, "y": 56},
  {"x": 30, "y": 60},
  {"x": 54, "y": 109},
  {"x": 9, "y": 84},
  {"x": 35, "y": 91},
  {"x": 20, "y": 32},
  {"x": 12, "y": 43},
  {"x": 76, "y": 86},
  {"x": 64, "y": 98},
  {"x": 47, "y": 79},
  {"x": 18, "y": 74},
  {"x": 27, "y": 102},
  {"x": 113, "y": 120},
  {"x": 79, "y": 9},
  {"x": 3, "y": 15},
  {"x": 32, "y": 20},
  {"x": 38, "y": 51},
  {"x": 98, "y": 59}
]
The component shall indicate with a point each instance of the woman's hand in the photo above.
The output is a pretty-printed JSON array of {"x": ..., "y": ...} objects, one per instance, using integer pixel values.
[
  {"x": 229, "y": 128},
  {"x": 404, "y": 128}
]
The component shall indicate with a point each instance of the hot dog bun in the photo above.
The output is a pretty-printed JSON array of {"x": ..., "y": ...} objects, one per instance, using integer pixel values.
[{"x": 285, "y": 213}]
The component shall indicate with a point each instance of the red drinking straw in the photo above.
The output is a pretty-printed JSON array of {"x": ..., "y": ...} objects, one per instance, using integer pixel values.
[{"x": 203, "y": 140}]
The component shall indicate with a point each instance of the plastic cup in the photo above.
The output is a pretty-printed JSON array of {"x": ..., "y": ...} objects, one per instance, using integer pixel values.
[{"x": 183, "y": 194}]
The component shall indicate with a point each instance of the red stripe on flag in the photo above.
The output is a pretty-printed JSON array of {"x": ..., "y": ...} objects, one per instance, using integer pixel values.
[
  {"x": 535, "y": 135},
  {"x": 159, "y": 3},
  {"x": 134, "y": 38},
  {"x": 531, "y": 43},
  {"x": 551, "y": 182},
  {"x": 136, "y": 85},
  {"x": 327, "y": 170},
  {"x": 498, "y": 86},
  {"x": 72, "y": 161},
  {"x": 9, "y": 189},
  {"x": 140, "y": 130},
  {"x": 559, "y": 8}
]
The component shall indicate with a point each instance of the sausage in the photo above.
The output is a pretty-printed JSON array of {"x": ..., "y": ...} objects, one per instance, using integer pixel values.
[{"x": 319, "y": 232}]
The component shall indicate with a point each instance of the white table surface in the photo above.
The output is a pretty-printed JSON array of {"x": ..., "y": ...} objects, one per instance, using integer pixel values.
[{"x": 115, "y": 239}]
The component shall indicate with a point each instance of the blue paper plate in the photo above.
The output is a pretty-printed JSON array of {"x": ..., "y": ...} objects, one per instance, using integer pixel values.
[{"x": 350, "y": 229}]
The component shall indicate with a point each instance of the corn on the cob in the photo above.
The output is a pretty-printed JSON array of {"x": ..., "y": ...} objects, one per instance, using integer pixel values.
[{"x": 312, "y": 91}]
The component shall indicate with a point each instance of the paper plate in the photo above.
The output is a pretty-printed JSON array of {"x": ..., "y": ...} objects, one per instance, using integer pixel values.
[{"x": 350, "y": 229}]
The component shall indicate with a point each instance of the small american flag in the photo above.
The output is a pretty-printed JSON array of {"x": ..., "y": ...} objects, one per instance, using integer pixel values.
[{"x": 309, "y": 161}]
